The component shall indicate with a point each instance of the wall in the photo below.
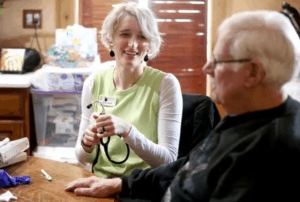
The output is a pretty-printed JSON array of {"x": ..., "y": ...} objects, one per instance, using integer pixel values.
[
  {"x": 238, "y": 6},
  {"x": 66, "y": 11},
  {"x": 225, "y": 8},
  {"x": 11, "y": 21},
  {"x": 55, "y": 14},
  {"x": 221, "y": 9},
  {"x": 12, "y": 34}
]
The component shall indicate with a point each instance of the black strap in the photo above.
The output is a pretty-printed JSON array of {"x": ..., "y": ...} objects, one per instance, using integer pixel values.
[{"x": 97, "y": 156}]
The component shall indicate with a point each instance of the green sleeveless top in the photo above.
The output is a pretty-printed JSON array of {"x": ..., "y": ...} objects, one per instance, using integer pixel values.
[{"x": 137, "y": 106}]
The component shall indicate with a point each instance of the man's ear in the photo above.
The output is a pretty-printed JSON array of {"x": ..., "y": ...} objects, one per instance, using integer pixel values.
[{"x": 255, "y": 73}]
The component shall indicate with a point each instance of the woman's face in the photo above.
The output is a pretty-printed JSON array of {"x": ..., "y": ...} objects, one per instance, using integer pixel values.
[{"x": 129, "y": 43}]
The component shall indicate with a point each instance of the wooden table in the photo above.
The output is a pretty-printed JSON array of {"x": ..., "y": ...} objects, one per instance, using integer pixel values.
[{"x": 40, "y": 189}]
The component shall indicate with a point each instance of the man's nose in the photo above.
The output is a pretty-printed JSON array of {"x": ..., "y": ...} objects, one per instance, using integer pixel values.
[
  {"x": 133, "y": 42},
  {"x": 208, "y": 68}
]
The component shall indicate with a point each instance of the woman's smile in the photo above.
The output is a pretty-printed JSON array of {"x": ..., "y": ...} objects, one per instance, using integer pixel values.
[{"x": 131, "y": 53}]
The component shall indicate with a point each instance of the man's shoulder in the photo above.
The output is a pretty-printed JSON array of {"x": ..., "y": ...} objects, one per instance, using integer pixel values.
[
  {"x": 289, "y": 122},
  {"x": 287, "y": 128}
]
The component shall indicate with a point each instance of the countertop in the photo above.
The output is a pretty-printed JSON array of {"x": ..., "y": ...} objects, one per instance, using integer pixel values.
[
  {"x": 25, "y": 80},
  {"x": 15, "y": 80}
]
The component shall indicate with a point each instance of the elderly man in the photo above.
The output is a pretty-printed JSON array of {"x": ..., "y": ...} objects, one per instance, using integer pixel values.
[{"x": 253, "y": 153}]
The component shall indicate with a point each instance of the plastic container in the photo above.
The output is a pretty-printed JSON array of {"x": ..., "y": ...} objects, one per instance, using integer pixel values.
[{"x": 57, "y": 117}]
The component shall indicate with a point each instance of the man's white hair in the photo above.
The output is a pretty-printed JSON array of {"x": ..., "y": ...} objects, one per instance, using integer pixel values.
[
  {"x": 145, "y": 18},
  {"x": 267, "y": 35}
]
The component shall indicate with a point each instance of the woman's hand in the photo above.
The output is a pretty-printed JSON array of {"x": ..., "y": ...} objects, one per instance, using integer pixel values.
[
  {"x": 112, "y": 125},
  {"x": 95, "y": 187},
  {"x": 90, "y": 134}
]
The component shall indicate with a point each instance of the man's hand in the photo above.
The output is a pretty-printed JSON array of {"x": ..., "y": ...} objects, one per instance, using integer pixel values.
[{"x": 95, "y": 187}]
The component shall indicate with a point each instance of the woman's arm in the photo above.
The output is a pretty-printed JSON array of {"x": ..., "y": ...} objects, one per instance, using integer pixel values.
[
  {"x": 86, "y": 98},
  {"x": 168, "y": 127}
]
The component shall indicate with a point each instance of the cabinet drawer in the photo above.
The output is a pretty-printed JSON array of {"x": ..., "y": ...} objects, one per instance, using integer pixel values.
[
  {"x": 11, "y": 104},
  {"x": 12, "y": 129}
]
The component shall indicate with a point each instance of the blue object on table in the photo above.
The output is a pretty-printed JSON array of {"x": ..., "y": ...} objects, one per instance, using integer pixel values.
[{"x": 7, "y": 181}]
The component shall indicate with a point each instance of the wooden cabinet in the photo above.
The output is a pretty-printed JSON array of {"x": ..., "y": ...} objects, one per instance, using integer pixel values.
[
  {"x": 16, "y": 115},
  {"x": 11, "y": 129},
  {"x": 12, "y": 103}
]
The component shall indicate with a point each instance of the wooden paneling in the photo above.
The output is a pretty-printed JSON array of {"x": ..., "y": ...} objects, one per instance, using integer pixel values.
[
  {"x": 200, "y": 7},
  {"x": 184, "y": 50},
  {"x": 191, "y": 16},
  {"x": 193, "y": 84},
  {"x": 93, "y": 15},
  {"x": 175, "y": 28}
]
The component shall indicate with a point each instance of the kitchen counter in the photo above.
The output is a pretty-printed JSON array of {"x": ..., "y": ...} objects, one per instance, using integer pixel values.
[{"x": 16, "y": 80}]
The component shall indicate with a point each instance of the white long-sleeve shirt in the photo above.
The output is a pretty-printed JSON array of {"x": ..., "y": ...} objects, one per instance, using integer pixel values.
[{"x": 168, "y": 126}]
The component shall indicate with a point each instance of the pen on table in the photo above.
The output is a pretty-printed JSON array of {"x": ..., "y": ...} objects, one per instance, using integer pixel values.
[{"x": 48, "y": 177}]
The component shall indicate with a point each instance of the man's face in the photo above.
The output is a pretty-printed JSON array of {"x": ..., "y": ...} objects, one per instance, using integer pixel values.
[{"x": 227, "y": 85}]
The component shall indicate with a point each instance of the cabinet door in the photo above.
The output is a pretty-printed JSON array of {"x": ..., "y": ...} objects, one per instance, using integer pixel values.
[
  {"x": 11, "y": 103},
  {"x": 12, "y": 129}
]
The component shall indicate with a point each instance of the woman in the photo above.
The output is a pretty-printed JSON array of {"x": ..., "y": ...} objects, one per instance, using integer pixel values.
[{"x": 145, "y": 104}]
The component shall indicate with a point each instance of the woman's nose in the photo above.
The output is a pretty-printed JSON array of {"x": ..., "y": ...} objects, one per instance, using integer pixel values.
[{"x": 133, "y": 42}]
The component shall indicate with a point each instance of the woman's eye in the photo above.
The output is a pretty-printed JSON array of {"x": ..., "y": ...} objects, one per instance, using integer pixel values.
[
  {"x": 125, "y": 34},
  {"x": 142, "y": 37}
]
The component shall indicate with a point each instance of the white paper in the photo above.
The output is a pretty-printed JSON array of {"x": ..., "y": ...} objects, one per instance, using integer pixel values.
[{"x": 7, "y": 196}]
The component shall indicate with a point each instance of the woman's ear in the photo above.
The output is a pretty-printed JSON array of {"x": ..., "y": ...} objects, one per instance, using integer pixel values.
[{"x": 255, "y": 73}]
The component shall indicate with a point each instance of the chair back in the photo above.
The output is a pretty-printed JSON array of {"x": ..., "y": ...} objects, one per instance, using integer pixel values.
[{"x": 199, "y": 117}]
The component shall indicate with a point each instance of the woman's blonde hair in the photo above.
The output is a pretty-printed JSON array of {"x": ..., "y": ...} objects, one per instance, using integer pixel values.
[{"x": 145, "y": 18}]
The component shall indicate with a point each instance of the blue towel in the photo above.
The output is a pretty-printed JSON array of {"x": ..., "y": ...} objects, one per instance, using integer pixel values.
[{"x": 7, "y": 181}]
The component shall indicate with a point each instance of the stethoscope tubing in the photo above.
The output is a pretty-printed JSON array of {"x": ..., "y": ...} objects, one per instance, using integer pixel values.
[{"x": 105, "y": 145}]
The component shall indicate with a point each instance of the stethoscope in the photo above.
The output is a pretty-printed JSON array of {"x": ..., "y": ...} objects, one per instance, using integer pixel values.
[{"x": 105, "y": 145}]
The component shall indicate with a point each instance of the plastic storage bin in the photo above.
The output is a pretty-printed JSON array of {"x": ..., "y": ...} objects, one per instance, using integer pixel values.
[{"x": 57, "y": 117}]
